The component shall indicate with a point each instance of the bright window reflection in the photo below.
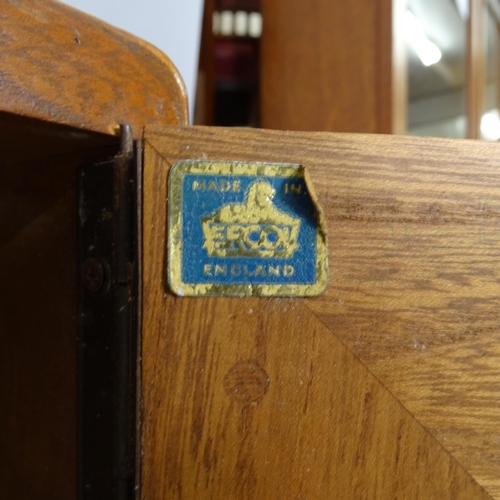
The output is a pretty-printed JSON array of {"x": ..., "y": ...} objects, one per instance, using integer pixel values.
[
  {"x": 428, "y": 51},
  {"x": 490, "y": 125},
  {"x": 436, "y": 35}
]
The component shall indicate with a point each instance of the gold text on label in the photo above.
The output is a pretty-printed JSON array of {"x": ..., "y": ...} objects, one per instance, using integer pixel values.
[{"x": 236, "y": 270}]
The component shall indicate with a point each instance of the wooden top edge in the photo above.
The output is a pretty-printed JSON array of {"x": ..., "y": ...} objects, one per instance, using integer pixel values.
[
  {"x": 64, "y": 66},
  {"x": 151, "y": 131}
]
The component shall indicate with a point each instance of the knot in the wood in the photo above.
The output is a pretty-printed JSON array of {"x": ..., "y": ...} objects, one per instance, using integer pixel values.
[{"x": 246, "y": 382}]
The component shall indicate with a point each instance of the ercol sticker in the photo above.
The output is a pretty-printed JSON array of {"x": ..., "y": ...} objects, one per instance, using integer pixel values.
[{"x": 243, "y": 229}]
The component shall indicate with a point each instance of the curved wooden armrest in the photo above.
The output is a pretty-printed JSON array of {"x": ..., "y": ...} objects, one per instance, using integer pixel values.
[{"x": 64, "y": 66}]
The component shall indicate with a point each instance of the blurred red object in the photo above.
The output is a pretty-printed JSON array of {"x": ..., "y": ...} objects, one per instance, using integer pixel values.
[
  {"x": 250, "y": 5},
  {"x": 235, "y": 61}
]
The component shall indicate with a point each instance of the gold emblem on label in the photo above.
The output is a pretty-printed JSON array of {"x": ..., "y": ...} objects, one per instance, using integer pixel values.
[{"x": 253, "y": 228}]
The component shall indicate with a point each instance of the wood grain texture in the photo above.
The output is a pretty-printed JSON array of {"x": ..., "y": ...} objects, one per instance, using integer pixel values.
[
  {"x": 399, "y": 68},
  {"x": 476, "y": 67},
  {"x": 67, "y": 80},
  {"x": 38, "y": 357},
  {"x": 38, "y": 303},
  {"x": 328, "y": 66},
  {"x": 64, "y": 66},
  {"x": 37, "y": 167},
  {"x": 409, "y": 317},
  {"x": 205, "y": 93}
]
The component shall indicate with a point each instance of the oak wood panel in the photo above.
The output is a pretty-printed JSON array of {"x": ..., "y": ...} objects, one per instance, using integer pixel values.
[
  {"x": 38, "y": 358},
  {"x": 399, "y": 67},
  {"x": 37, "y": 167},
  {"x": 64, "y": 66},
  {"x": 476, "y": 67},
  {"x": 38, "y": 303},
  {"x": 327, "y": 65},
  {"x": 25, "y": 140},
  {"x": 205, "y": 92},
  {"x": 67, "y": 80},
  {"x": 413, "y": 291}
]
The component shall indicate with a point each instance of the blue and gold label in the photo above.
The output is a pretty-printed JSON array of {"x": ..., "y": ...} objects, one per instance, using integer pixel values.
[{"x": 243, "y": 229}]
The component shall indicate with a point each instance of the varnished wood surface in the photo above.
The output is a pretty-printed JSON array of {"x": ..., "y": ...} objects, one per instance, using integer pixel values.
[
  {"x": 476, "y": 66},
  {"x": 64, "y": 66},
  {"x": 38, "y": 303},
  {"x": 205, "y": 93},
  {"x": 37, "y": 166},
  {"x": 399, "y": 67},
  {"x": 385, "y": 386},
  {"x": 38, "y": 356},
  {"x": 67, "y": 80},
  {"x": 328, "y": 65}
]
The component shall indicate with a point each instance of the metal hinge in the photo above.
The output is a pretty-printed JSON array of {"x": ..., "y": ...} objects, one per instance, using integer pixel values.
[{"x": 108, "y": 324}]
